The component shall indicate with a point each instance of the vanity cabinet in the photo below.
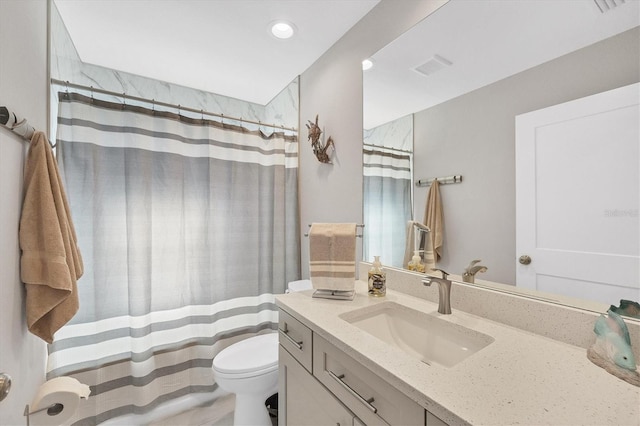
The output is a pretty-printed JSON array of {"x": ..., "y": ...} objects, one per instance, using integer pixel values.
[
  {"x": 321, "y": 385},
  {"x": 302, "y": 400}
]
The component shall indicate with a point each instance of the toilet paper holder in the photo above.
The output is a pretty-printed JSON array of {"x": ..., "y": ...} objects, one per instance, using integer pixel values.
[
  {"x": 56, "y": 401},
  {"x": 52, "y": 410}
]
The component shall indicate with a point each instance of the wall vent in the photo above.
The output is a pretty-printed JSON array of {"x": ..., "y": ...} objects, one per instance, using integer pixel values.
[
  {"x": 605, "y": 6},
  {"x": 433, "y": 65}
]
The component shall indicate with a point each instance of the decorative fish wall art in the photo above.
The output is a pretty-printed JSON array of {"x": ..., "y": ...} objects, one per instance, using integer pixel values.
[
  {"x": 319, "y": 149},
  {"x": 612, "y": 348}
]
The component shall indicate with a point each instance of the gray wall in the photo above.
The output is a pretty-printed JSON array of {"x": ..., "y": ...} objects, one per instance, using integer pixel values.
[
  {"x": 473, "y": 135},
  {"x": 332, "y": 88},
  {"x": 23, "y": 88}
]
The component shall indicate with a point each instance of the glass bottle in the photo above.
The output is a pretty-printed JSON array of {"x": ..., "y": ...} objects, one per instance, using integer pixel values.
[
  {"x": 415, "y": 264},
  {"x": 377, "y": 279}
]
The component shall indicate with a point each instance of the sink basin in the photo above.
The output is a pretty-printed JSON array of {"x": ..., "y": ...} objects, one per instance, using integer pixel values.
[{"x": 424, "y": 336}]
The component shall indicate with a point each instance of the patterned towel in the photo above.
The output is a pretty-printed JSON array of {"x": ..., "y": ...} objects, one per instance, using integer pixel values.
[{"x": 332, "y": 252}]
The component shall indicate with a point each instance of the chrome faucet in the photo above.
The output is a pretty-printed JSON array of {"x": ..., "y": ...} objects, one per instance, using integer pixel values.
[
  {"x": 470, "y": 271},
  {"x": 444, "y": 290}
]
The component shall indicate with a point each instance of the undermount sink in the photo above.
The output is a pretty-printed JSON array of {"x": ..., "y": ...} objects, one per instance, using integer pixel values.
[{"x": 424, "y": 336}]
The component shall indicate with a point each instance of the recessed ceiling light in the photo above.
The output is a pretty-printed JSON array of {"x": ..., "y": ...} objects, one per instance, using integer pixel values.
[
  {"x": 367, "y": 64},
  {"x": 282, "y": 29}
]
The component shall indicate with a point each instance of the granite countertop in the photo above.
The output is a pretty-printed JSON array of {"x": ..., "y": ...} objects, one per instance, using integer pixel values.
[{"x": 520, "y": 378}]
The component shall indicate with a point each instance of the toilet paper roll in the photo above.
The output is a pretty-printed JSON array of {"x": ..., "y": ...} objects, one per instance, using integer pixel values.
[{"x": 57, "y": 401}]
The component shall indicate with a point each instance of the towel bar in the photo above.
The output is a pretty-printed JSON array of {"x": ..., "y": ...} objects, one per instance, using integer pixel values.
[
  {"x": 443, "y": 180},
  {"x": 357, "y": 226}
]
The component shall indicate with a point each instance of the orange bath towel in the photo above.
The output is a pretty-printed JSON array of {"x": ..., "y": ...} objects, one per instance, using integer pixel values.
[{"x": 51, "y": 263}]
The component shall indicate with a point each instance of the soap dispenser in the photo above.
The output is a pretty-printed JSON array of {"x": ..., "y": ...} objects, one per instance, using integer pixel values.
[
  {"x": 377, "y": 279},
  {"x": 415, "y": 264}
]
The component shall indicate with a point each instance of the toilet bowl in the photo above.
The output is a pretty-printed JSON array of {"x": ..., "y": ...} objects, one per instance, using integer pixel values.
[{"x": 249, "y": 369}]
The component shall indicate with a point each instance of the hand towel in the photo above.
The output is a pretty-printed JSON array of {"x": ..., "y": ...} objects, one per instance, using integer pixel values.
[
  {"x": 332, "y": 256},
  {"x": 423, "y": 244},
  {"x": 434, "y": 219},
  {"x": 51, "y": 262}
]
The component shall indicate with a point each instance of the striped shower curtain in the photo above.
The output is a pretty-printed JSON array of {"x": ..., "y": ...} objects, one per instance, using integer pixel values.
[
  {"x": 386, "y": 204},
  {"x": 188, "y": 227}
]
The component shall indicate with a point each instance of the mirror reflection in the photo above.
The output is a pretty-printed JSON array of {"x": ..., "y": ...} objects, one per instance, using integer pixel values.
[{"x": 458, "y": 82}]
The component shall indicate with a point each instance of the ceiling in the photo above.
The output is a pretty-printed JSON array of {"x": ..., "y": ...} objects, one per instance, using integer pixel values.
[
  {"x": 219, "y": 46},
  {"x": 224, "y": 47},
  {"x": 485, "y": 41}
]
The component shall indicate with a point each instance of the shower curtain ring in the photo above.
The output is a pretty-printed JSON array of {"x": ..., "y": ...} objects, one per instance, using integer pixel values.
[
  {"x": 92, "y": 93},
  {"x": 124, "y": 100},
  {"x": 202, "y": 115},
  {"x": 153, "y": 105}
]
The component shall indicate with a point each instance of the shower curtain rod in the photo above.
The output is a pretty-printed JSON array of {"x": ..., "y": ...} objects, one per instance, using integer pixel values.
[
  {"x": 404, "y": 151},
  {"x": 15, "y": 123},
  {"x": 124, "y": 96}
]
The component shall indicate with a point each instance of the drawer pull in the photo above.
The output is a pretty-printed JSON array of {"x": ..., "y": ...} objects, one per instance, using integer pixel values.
[
  {"x": 366, "y": 402},
  {"x": 285, "y": 333}
]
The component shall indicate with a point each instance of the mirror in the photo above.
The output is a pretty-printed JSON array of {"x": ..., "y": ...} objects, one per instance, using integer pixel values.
[{"x": 463, "y": 75}]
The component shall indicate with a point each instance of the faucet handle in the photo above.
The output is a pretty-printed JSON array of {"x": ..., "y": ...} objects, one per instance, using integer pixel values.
[{"x": 445, "y": 274}]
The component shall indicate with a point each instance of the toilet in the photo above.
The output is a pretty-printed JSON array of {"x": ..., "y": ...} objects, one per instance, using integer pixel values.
[{"x": 249, "y": 369}]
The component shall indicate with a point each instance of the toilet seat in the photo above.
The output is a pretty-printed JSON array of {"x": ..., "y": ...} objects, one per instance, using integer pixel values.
[{"x": 254, "y": 356}]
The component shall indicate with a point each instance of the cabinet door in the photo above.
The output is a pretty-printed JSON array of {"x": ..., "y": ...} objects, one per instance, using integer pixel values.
[{"x": 302, "y": 401}]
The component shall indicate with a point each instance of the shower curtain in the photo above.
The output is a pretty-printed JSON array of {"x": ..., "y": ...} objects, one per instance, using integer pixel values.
[
  {"x": 188, "y": 227},
  {"x": 387, "y": 204}
]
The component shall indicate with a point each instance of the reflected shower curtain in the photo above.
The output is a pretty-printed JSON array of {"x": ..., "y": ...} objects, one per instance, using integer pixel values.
[
  {"x": 188, "y": 227},
  {"x": 387, "y": 204}
]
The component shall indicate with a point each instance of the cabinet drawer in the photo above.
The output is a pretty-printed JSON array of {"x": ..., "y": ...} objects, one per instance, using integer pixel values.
[
  {"x": 370, "y": 398},
  {"x": 295, "y": 337}
]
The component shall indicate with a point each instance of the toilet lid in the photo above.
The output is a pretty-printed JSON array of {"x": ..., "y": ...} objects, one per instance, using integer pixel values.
[
  {"x": 300, "y": 285},
  {"x": 252, "y": 354}
]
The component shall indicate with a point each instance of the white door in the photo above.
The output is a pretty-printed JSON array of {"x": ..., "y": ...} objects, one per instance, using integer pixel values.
[{"x": 577, "y": 191}]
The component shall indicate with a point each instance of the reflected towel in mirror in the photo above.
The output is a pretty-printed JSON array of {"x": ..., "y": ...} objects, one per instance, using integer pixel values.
[{"x": 433, "y": 218}]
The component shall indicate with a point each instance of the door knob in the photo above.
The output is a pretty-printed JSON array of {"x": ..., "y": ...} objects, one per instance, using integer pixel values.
[
  {"x": 5, "y": 385},
  {"x": 524, "y": 259}
]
